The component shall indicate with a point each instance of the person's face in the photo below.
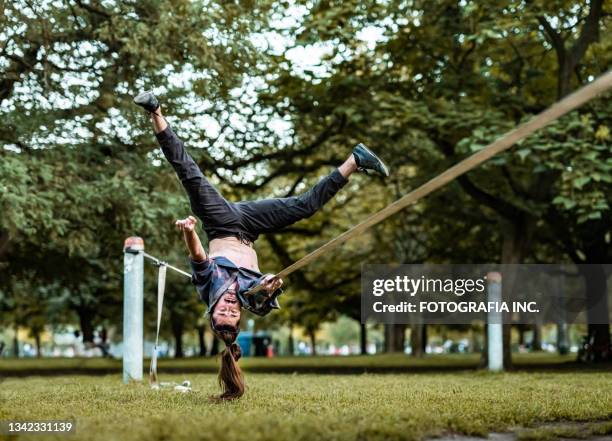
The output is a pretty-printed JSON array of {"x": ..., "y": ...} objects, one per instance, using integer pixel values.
[{"x": 227, "y": 310}]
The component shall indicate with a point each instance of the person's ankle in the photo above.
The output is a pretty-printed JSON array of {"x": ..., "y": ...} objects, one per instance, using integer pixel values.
[
  {"x": 352, "y": 162},
  {"x": 157, "y": 113}
]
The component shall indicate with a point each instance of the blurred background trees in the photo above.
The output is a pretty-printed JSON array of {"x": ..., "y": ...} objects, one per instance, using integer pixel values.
[{"x": 268, "y": 97}]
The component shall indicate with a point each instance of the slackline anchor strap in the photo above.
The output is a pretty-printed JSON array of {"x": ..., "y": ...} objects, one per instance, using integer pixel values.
[
  {"x": 159, "y": 262},
  {"x": 161, "y": 289}
]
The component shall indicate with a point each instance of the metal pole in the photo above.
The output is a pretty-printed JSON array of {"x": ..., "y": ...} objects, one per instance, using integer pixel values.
[
  {"x": 494, "y": 324},
  {"x": 133, "y": 287}
]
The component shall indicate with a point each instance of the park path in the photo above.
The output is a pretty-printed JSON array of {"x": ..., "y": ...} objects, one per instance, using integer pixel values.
[
  {"x": 584, "y": 427},
  {"x": 511, "y": 437}
]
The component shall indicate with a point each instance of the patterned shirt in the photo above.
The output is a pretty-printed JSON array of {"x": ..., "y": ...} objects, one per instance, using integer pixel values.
[{"x": 210, "y": 275}]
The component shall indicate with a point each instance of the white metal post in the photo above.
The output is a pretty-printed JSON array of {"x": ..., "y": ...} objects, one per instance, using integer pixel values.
[
  {"x": 495, "y": 342},
  {"x": 133, "y": 287}
]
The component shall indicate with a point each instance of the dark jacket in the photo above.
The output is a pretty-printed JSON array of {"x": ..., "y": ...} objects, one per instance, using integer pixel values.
[{"x": 211, "y": 275}]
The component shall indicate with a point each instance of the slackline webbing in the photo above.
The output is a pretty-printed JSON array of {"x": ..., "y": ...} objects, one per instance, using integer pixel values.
[
  {"x": 560, "y": 108},
  {"x": 159, "y": 263},
  {"x": 161, "y": 288}
]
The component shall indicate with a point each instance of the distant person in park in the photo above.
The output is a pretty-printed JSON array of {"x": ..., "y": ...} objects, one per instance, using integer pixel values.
[{"x": 230, "y": 269}]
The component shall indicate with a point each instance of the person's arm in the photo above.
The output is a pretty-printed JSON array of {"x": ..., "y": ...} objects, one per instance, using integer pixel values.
[{"x": 196, "y": 250}]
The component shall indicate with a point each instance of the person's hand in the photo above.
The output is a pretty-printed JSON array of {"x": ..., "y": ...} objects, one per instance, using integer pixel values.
[
  {"x": 186, "y": 225},
  {"x": 271, "y": 283}
]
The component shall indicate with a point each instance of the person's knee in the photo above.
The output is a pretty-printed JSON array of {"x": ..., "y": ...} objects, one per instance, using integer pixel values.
[
  {"x": 304, "y": 208},
  {"x": 190, "y": 176}
]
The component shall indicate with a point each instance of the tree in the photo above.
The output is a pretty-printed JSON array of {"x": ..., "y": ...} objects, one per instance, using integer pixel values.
[
  {"x": 412, "y": 88},
  {"x": 77, "y": 169}
]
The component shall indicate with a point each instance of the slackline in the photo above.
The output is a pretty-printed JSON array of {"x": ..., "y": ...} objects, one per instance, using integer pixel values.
[{"x": 560, "y": 108}]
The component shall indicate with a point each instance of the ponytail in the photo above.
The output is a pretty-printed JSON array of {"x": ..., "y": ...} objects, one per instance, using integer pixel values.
[{"x": 231, "y": 379}]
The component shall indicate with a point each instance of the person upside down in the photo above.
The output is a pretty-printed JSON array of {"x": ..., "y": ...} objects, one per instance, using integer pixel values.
[{"x": 225, "y": 274}]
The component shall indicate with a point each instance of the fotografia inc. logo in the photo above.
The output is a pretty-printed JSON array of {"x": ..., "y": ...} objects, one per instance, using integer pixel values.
[{"x": 462, "y": 294}]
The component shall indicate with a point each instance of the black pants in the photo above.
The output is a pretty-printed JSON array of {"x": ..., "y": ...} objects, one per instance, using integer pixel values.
[{"x": 246, "y": 219}]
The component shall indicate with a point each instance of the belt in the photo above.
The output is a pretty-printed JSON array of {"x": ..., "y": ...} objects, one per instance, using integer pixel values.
[{"x": 238, "y": 235}]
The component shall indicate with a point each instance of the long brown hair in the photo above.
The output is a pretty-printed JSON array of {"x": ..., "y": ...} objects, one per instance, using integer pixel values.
[{"x": 231, "y": 379}]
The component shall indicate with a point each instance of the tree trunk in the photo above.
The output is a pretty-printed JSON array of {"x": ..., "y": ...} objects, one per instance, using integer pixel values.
[
  {"x": 521, "y": 332},
  {"x": 597, "y": 312},
  {"x": 567, "y": 61},
  {"x": 536, "y": 341},
  {"x": 202, "y": 344},
  {"x": 562, "y": 340},
  {"x": 103, "y": 345},
  {"x": 313, "y": 342},
  {"x": 389, "y": 344},
  {"x": 214, "y": 349},
  {"x": 16, "y": 342},
  {"x": 177, "y": 332},
  {"x": 517, "y": 234},
  {"x": 4, "y": 242},
  {"x": 36, "y": 335},
  {"x": 562, "y": 336},
  {"x": 564, "y": 77},
  {"x": 86, "y": 322},
  {"x": 290, "y": 341},
  {"x": 395, "y": 338},
  {"x": 416, "y": 339},
  {"x": 484, "y": 355},
  {"x": 400, "y": 338},
  {"x": 363, "y": 338}
]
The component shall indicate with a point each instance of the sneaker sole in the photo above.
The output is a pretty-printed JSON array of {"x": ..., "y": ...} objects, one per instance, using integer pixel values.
[
  {"x": 384, "y": 166},
  {"x": 137, "y": 98}
]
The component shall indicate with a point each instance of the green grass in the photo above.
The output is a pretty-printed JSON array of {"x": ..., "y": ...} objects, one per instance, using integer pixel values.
[
  {"x": 306, "y": 364},
  {"x": 308, "y": 406}
]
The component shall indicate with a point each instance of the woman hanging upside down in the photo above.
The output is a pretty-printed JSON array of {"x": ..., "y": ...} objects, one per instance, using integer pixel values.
[{"x": 224, "y": 275}]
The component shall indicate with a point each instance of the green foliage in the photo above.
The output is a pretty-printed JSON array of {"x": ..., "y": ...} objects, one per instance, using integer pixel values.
[
  {"x": 442, "y": 81},
  {"x": 78, "y": 173},
  {"x": 79, "y": 170}
]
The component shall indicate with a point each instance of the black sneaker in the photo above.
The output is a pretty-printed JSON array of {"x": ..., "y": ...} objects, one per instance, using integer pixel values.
[
  {"x": 147, "y": 101},
  {"x": 367, "y": 160}
]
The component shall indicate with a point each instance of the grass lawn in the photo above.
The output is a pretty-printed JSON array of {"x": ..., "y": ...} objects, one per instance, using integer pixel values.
[
  {"x": 393, "y": 406},
  {"x": 305, "y": 364}
]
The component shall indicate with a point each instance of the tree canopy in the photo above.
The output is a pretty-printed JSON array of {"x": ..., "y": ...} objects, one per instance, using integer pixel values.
[{"x": 423, "y": 83}]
